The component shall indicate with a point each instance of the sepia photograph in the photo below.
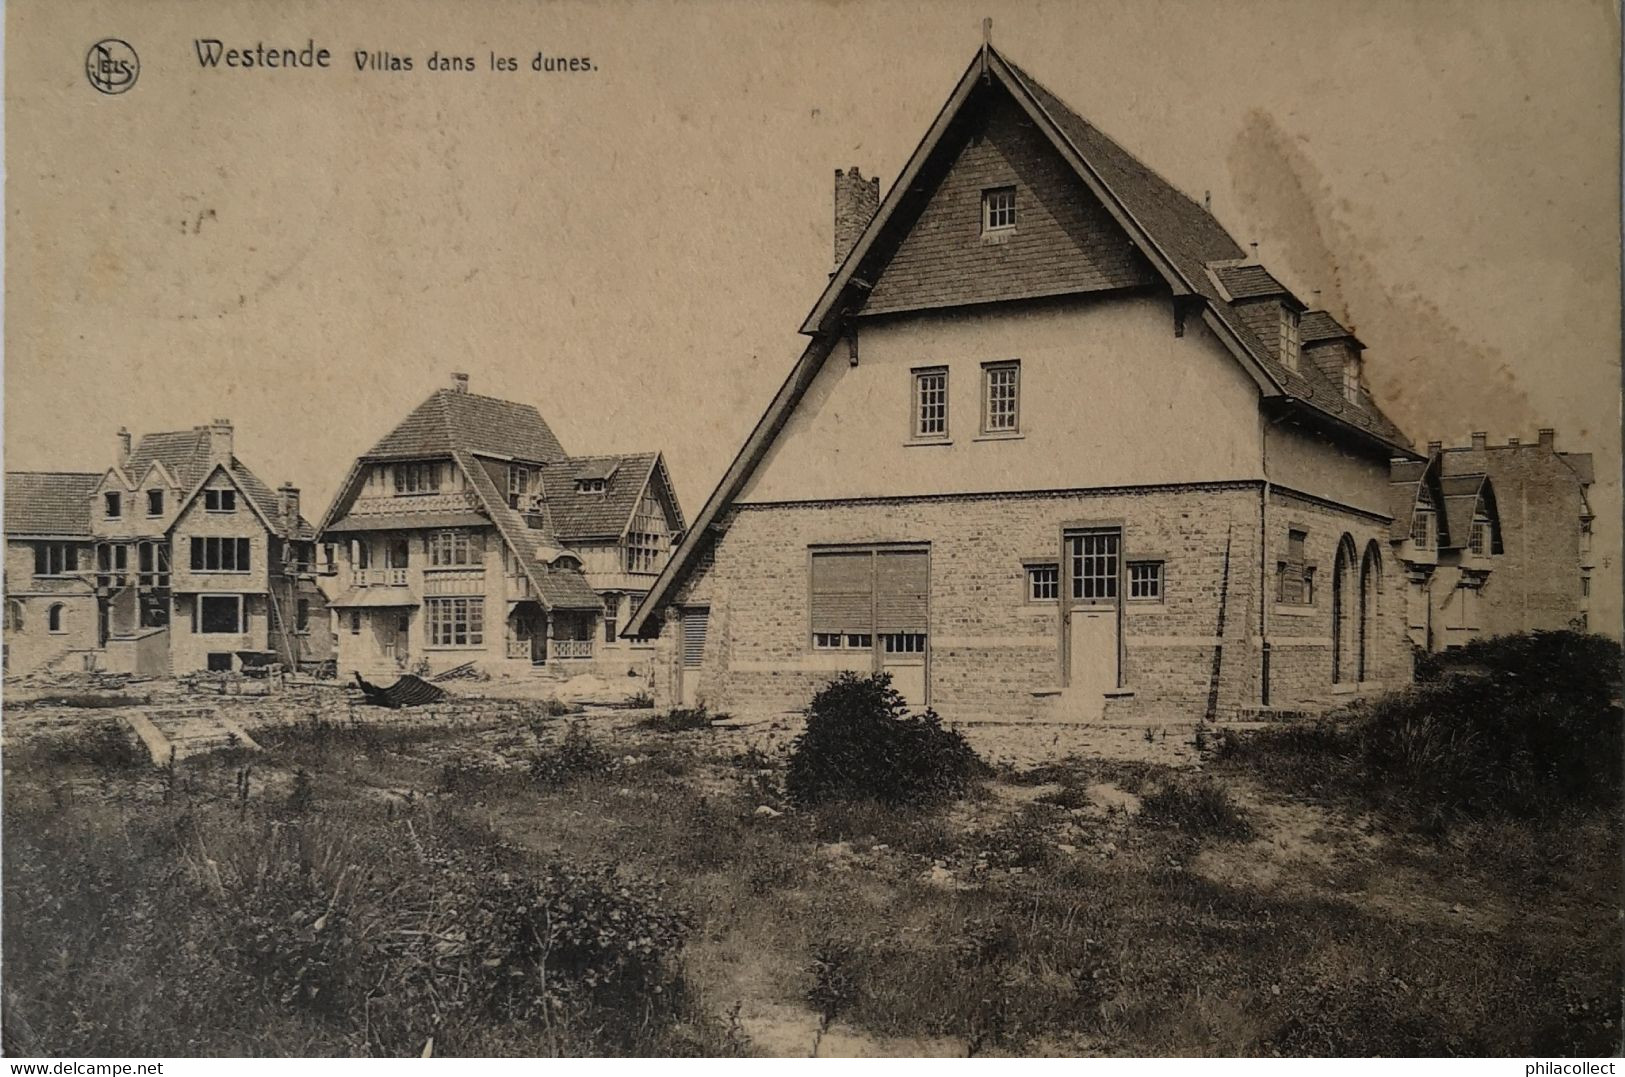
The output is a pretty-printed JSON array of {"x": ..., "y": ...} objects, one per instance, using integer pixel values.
[{"x": 643, "y": 529}]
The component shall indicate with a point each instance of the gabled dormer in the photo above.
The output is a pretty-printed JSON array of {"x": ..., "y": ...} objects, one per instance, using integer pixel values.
[
  {"x": 1267, "y": 307},
  {"x": 1336, "y": 352}
]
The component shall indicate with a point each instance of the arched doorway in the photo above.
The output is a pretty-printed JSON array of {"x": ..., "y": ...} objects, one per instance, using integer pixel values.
[
  {"x": 1370, "y": 585},
  {"x": 1342, "y": 584}
]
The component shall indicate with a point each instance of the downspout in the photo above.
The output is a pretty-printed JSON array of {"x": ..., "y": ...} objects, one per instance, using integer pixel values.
[{"x": 1263, "y": 565}]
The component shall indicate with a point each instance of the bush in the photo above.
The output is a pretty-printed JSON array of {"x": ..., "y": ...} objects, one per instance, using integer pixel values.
[
  {"x": 1523, "y": 725},
  {"x": 106, "y": 746},
  {"x": 682, "y": 719},
  {"x": 1201, "y": 807},
  {"x": 861, "y": 744},
  {"x": 576, "y": 756}
]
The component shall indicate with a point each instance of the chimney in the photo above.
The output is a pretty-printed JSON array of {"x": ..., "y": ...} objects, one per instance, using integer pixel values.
[
  {"x": 856, "y": 201},
  {"x": 1435, "y": 447},
  {"x": 287, "y": 503},
  {"x": 219, "y": 441},
  {"x": 1481, "y": 440},
  {"x": 459, "y": 383},
  {"x": 1548, "y": 438},
  {"x": 123, "y": 446}
]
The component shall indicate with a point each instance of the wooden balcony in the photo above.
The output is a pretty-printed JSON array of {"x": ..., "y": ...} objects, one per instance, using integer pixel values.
[
  {"x": 567, "y": 649},
  {"x": 378, "y": 577}
]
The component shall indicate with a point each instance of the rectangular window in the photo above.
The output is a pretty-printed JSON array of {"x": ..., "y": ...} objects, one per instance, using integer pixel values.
[
  {"x": 1290, "y": 344},
  {"x": 220, "y": 554},
  {"x": 1294, "y": 578},
  {"x": 355, "y": 622},
  {"x": 55, "y": 559},
  {"x": 1043, "y": 583},
  {"x": 301, "y": 617},
  {"x": 220, "y": 500},
  {"x": 1480, "y": 540},
  {"x": 1422, "y": 529},
  {"x": 1094, "y": 556},
  {"x": 1001, "y": 397},
  {"x": 903, "y": 643},
  {"x": 419, "y": 478},
  {"x": 518, "y": 486},
  {"x": 456, "y": 622},
  {"x": 998, "y": 209},
  {"x": 1351, "y": 379},
  {"x": 648, "y": 540},
  {"x": 856, "y": 594},
  {"x": 220, "y": 614},
  {"x": 114, "y": 505},
  {"x": 448, "y": 548},
  {"x": 612, "y": 610},
  {"x": 155, "y": 502},
  {"x": 1145, "y": 581},
  {"x": 931, "y": 403}
]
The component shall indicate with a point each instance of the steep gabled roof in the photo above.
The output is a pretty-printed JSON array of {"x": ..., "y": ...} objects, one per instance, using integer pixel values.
[
  {"x": 558, "y": 588},
  {"x": 184, "y": 454},
  {"x": 1249, "y": 282},
  {"x": 1180, "y": 239},
  {"x": 55, "y": 503},
  {"x": 1317, "y": 325},
  {"x": 578, "y": 515},
  {"x": 451, "y": 420}
]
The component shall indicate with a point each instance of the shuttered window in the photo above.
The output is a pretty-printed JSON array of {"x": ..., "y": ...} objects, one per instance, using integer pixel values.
[
  {"x": 864, "y": 593},
  {"x": 695, "y": 621}
]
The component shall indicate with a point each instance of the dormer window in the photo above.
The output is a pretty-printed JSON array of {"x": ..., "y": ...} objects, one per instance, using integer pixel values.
[
  {"x": 998, "y": 210},
  {"x": 1291, "y": 346},
  {"x": 519, "y": 486},
  {"x": 1422, "y": 528},
  {"x": 591, "y": 486},
  {"x": 420, "y": 478},
  {"x": 1480, "y": 540},
  {"x": 155, "y": 502},
  {"x": 1351, "y": 379},
  {"x": 112, "y": 505}
]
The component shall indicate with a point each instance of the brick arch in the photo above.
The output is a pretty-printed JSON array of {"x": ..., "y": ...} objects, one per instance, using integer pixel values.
[{"x": 1370, "y": 590}]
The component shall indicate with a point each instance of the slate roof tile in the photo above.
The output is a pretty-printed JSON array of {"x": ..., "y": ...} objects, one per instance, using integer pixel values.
[{"x": 49, "y": 502}]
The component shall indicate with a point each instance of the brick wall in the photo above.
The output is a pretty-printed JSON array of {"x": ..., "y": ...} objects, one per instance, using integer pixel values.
[{"x": 1064, "y": 240}]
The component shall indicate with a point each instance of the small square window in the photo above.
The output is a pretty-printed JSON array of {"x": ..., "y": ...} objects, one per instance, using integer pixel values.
[
  {"x": 1001, "y": 397},
  {"x": 1043, "y": 583},
  {"x": 1145, "y": 581},
  {"x": 931, "y": 403},
  {"x": 999, "y": 210}
]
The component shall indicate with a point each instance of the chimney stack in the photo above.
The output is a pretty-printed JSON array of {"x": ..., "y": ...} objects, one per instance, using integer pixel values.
[
  {"x": 459, "y": 383},
  {"x": 1481, "y": 440},
  {"x": 287, "y": 503},
  {"x": 220, "y": 450},
  {"x": 1548, "y": 438},
  {"x": 123, "y": 446},
  {"x": 856, "y": 201}
]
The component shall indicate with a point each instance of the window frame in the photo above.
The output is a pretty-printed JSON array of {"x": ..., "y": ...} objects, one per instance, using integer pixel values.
[
  {"x": 1294, "y": 565},
  {"x": 155, "y": 497},
  {"x": 1351, "y": 378},
  {"x": 58, "y": 559},
  {"x": 224, "y": 500},
  {"x": 112, "y": 505},
  {"x": 1291, "y": 341},
  {"x": 1158, "y": 580},
  {"x": 449, "y": 628},
  {"x": 994, "y": 206},
  {"x": 242, "y": 554},
  {"x": 1425, "y": 517},
  {"x": 56, "y": 619},
  {"x": 199, "y": 619},
  {"x": 416, "y": 478},
  {"x": 1032, "y": 582},
  {"x": 917, "y": 404},
  {"x": 444, "y": 546},
  {"x": 989, "y": 371}
]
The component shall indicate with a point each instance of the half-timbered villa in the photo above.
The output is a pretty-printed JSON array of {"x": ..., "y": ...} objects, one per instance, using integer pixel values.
[
  {"x": 467, "y": 533},
  {"x": 1057, "y": 448},
  {"x": 176, "y": 559}
]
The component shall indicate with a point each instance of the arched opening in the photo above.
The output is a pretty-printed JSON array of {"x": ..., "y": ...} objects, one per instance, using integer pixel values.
[
  {"x": 53, "y": 618},
  {"x": 1370, "y": 585},
  {"x": 14, "y": 615},
  {"x": 1342, "y": 584}
]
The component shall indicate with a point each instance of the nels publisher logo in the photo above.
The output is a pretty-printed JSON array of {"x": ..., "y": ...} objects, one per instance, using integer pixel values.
[{"x": 111, "y": 65}]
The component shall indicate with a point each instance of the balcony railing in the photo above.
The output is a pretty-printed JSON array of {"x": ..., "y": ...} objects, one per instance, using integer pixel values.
[
  {"x": 564, "y": 649},
  {"x": 379, "y": 577}
]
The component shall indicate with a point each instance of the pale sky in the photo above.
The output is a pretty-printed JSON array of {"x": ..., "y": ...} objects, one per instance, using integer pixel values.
[{"x": 310, "y": 253}]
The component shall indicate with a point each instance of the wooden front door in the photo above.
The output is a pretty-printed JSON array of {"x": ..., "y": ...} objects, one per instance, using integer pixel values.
[{"x": 1090, "y": 596}]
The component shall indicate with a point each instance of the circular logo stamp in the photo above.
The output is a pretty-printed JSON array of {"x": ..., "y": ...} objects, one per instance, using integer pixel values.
[{"x": 111, "y": 65}]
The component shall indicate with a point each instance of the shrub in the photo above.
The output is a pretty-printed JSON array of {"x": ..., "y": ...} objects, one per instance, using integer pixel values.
[
  {"x": 576, "y": 756},
  {"x": 1520, "y": 725},
  {"x": 1201, "y": 807},
  {"x": 106, "y": 746},
  {"x": 682, "y": 719},
  {"x": 861, "y": 743}
]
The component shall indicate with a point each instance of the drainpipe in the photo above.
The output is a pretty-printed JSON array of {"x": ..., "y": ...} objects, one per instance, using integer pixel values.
[{"x": 1263, "y": 567}]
